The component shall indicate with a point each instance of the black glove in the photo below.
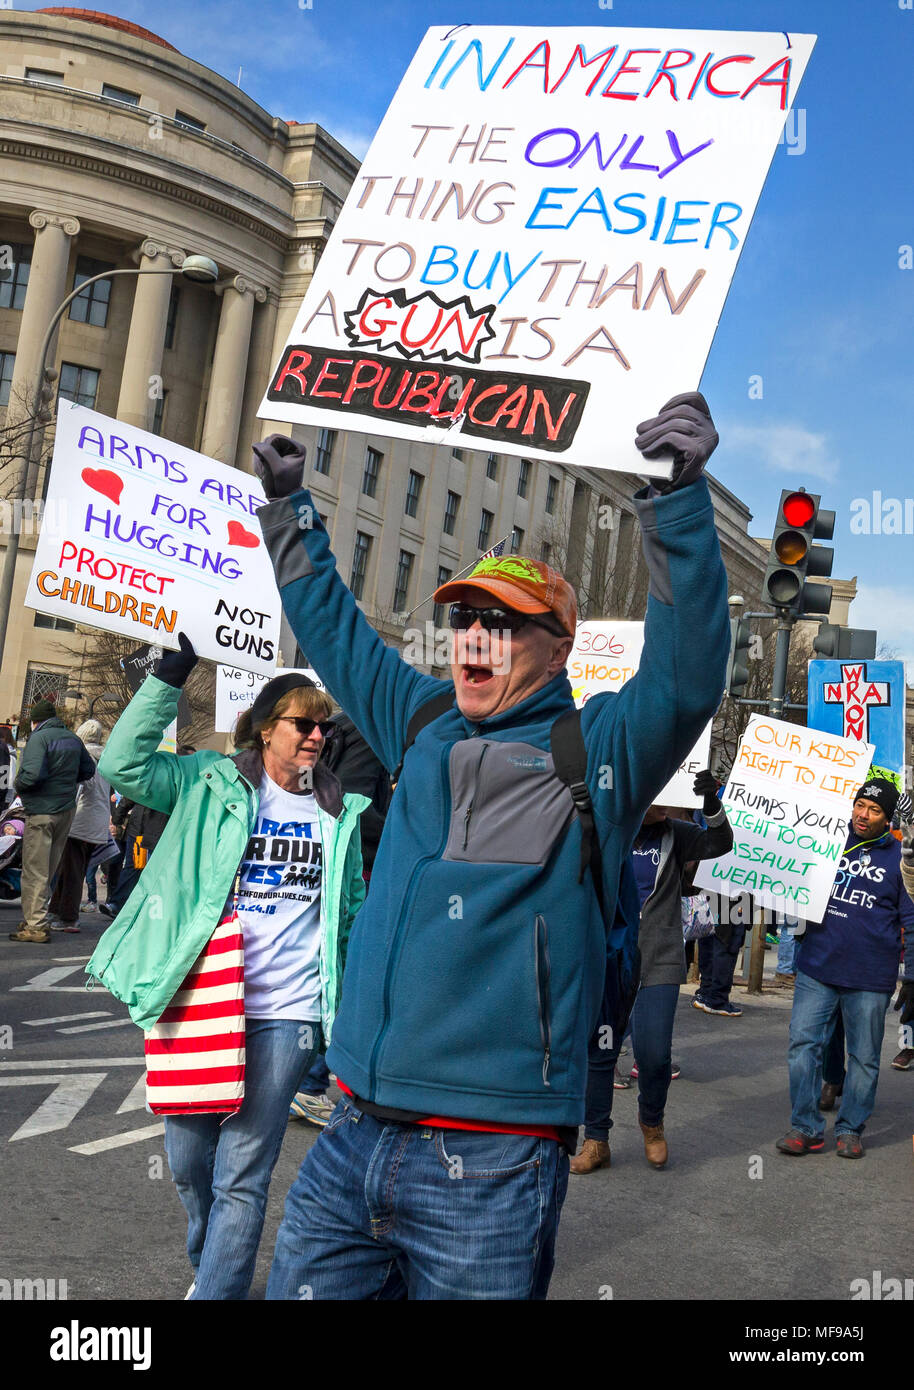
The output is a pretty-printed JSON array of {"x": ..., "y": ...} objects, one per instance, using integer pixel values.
[
  {"x": 174, "y": 667},
  {"x": 705, "y": 785},
  {"x": 905, "y": 1002},
  {"x": 280, "y": 465},
  {"x": 685, "y": 430},
  {"x": 907, "y": 844}
]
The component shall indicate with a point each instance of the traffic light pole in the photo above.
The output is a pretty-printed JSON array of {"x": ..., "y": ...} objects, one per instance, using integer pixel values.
[{"x": 782, "y": 651}]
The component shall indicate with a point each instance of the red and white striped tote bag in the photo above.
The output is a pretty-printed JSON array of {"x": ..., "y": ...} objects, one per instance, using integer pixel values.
[{"x": 195, "y": 1051}]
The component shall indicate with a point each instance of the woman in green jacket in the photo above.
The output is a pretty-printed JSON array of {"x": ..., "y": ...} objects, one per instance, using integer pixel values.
[{"x": 262, "y": 850}]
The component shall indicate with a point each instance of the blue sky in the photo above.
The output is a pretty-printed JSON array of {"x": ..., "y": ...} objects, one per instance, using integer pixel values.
[{"x": 819, "y": 306}]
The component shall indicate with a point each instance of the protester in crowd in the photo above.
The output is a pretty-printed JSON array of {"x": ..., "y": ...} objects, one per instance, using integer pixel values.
[
  {"x": 254, "y": 884},
  {"x": 7, "y": 765},
  {"x": 88, "y": 832},
  {"x": 478, "y": 969},
  {"x": 54, "y": 763},
  {"x": 719, "y": 952},
  {"x": 358, "y": 769},
  {"x": 788, "y": 945},
  {"x": 663, "y": 847},
  {"x": 848, "y": 963}
]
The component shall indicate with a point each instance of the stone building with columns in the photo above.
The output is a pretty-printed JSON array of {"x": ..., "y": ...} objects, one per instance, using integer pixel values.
[{"x": 118, "y": 151}]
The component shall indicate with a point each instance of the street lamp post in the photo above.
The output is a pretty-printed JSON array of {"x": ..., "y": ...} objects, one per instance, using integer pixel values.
[{"x": 199, "y": 268}]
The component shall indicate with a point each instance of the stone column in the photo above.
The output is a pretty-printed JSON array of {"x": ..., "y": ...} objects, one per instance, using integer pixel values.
[
  {"x": 226, "y": 384},
  {"x": 260, "y": 371},
  {"x": 46, "y": 288},
  {"x": 146, "y": 339}
]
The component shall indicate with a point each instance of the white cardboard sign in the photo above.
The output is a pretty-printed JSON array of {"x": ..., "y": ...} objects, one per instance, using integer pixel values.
[
  {"x": 788, "y": 801},
  {"x": 536, "y": 251},
  {"x": 237, "y": 689},
  {"x": 148, "y": 539},
  {"x": 605, "y": 656}
]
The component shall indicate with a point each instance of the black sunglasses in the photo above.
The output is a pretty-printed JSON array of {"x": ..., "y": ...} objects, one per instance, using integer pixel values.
[
  {"x": 327, "y": 729},
  {"x": 461, "y": 617}
]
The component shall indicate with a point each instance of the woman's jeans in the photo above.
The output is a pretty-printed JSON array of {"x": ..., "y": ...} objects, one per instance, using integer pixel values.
[
  {"x": 815, "y": 1006},
  {"x": 652, "y": 1041},
  {"x": 222, "y": 1167}
]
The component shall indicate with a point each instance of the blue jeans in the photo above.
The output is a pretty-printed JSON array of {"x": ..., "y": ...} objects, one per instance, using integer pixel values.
[
  {"x": 787, "y": 948},
  {"x": 815, "y": 1007},
  {"x": 717, "y": 966},
  {"x": 317, "y": 1079},
  {"x": 393, "y": 1211},
  {"x": 651, "y": 1031},
  {"x": 222, "y": 1167}
]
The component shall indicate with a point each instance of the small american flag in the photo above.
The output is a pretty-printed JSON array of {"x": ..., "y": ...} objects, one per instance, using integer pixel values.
[{"x": 495, "y": 551}]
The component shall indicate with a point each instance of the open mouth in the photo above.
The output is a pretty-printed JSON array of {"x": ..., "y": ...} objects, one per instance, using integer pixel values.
[{"x": 476, "y": 675}]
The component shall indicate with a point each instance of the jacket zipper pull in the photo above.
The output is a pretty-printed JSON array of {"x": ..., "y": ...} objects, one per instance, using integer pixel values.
[
  {"x": 546, "y": 1058},
  {"x": 466, "y": 824}
]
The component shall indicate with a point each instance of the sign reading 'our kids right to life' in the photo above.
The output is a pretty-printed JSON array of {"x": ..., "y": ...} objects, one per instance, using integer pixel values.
[{"x": 535, "y": 253}]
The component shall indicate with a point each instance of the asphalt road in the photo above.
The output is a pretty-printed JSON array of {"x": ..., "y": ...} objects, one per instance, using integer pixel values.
[{"x": 88, "y": 1197}]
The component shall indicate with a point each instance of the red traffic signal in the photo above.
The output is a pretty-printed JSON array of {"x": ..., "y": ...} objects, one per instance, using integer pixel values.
[{"x": 793, "y": 556}]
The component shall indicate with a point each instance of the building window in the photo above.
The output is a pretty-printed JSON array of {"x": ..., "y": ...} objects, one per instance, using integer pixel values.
[
  {"x": 42, "y": 685},
  {"x": 492, "y": 466},
  {"x": 546, "y": 553},
  {"x": 174, "y": 300},
  {"x": 523, "y": 478},
  {"x": 119, "y": 94},
  {"x": 59, "y": 624},
  {"x": 552, "y": 488},
  {"x": 78, "y": 384},
  {"x": 7, "y": 363},
  {"x": 359, "y": 563},
  {"x": 92, "y": 305},
  {"x": 43, "y": 75},
  {"x": 190, "y": 121},
  {"x": 413, "y": 488},
  {"x": 372, "y": 469},
  {"x": 438, "y": 610},
  {"x": 484, "y": 539},
  {"x": 450, "y": 513},
  {"x": 325, "y": 442},
  {"x": 14, "y": 276},
  {"x": 517, "y": 539},
  {"x": 158, "y": 415},
  {"x": 456, "y": 453},
  {"x": 401, "y": 589}
]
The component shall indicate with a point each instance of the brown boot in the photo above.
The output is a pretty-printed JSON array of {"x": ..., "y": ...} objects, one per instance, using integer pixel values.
[
  {"x": 655, "y": 1146},
  {"x": 594, "y": 1155},
  {"x": 788, "y": 981}
]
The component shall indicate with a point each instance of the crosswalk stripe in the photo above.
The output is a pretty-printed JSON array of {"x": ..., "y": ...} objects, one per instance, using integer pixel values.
[
  {"x": 92, "y": 1027},
  {"x": 118, "y": 1141},
  {"x": 68, "y": 1097},
  {"x": 71, "y": 1064},
  {"x": 136, "y": 1097},
  {"x": 66, "y": 1018}
]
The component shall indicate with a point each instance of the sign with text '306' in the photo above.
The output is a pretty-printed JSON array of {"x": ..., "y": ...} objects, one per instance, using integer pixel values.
[
  {"x": 148, "y": 539},
  {"x": 536, "y": 250}
]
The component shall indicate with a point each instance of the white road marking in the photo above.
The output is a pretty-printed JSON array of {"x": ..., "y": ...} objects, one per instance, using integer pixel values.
[
  {"x": 136, "y": 1099},
  {"x": 50, "y": 980},
  {"x": 59, "y": 1108},
  {"x": 65, "y": 1018},
  {"x": 117, "y": 1141},
  {"x": 91, "y": 1027},
  {"x": 70, "y": 1064},
  {"x": 74, "y": 959}
]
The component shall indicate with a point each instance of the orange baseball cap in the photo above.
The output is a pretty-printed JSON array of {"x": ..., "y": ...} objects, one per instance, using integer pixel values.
[{"x": 529, "y": 586}]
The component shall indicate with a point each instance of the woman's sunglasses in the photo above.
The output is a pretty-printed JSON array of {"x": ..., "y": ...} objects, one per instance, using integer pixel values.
[
  {"x": 462, "y": 617},
  {"x": 305, "y": 727}
]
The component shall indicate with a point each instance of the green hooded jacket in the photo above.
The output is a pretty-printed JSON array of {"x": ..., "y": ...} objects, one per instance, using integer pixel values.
[{"x": 178, "y": 902}]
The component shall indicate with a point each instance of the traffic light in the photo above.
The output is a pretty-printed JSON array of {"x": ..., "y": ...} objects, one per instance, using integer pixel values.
[
  {"x": 738, "y": 664},
  {"x": 793, "y": 557},
  {"x": 844, "y": 643}
]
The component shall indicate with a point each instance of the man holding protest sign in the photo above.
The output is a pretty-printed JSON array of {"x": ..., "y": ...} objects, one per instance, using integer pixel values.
[
  {"x": 848, "y": 963},
  {"x": 478, "y": 964}
]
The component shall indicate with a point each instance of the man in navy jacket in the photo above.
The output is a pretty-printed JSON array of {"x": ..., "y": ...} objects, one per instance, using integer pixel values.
[
  {"x": 849, "y": 962},
  {"x": 477, "y": 965}
]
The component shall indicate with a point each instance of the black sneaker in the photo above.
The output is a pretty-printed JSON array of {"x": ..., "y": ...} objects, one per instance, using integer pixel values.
[
  {"x": 726, "y": 1010},
  {"x": 796, "y": 1142}
]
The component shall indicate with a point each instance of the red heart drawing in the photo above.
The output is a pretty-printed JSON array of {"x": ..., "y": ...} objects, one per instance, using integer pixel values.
[
  {"x": 237, "y": 535},
  {"x": 102, "y": 480}
]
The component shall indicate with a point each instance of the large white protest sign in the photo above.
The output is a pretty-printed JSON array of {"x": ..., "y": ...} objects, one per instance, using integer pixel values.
[
  {"x": 536, "y": 251},
  {"x": 788, "y": 801},
  {"x": 237, "y": 689},
  {"x": 150, "y": 539},
  {"x": 605, "y": 656}
]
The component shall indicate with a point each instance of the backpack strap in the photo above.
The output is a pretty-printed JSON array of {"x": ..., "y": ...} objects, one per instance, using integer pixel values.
[
  {"x": 425, "y": 714},
  {"x": 569, "y": 756}
]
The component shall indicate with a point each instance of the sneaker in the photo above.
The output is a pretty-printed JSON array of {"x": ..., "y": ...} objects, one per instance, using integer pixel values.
[
  {"x": 622, "y": 1083},
  {"x": 905, "y": 1059},
  {"x": 772, "y": 941},
  {"x": 699, "y": 1003},
  {"x": 850, "y": 1145},
  {"x": 89, "y": 907},
  {"x": 40, "y": 938},
  {"x": 675, "y": 1072},
  {"x": 315, "y": 1110},
  {"x": 106, "y": 910},
  {"x": 796, "y": 1142},
  {"x": 57, "y": 925},
  {"x": 595, "y": 1154},
  {"x": 726, "y": 1010}
]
